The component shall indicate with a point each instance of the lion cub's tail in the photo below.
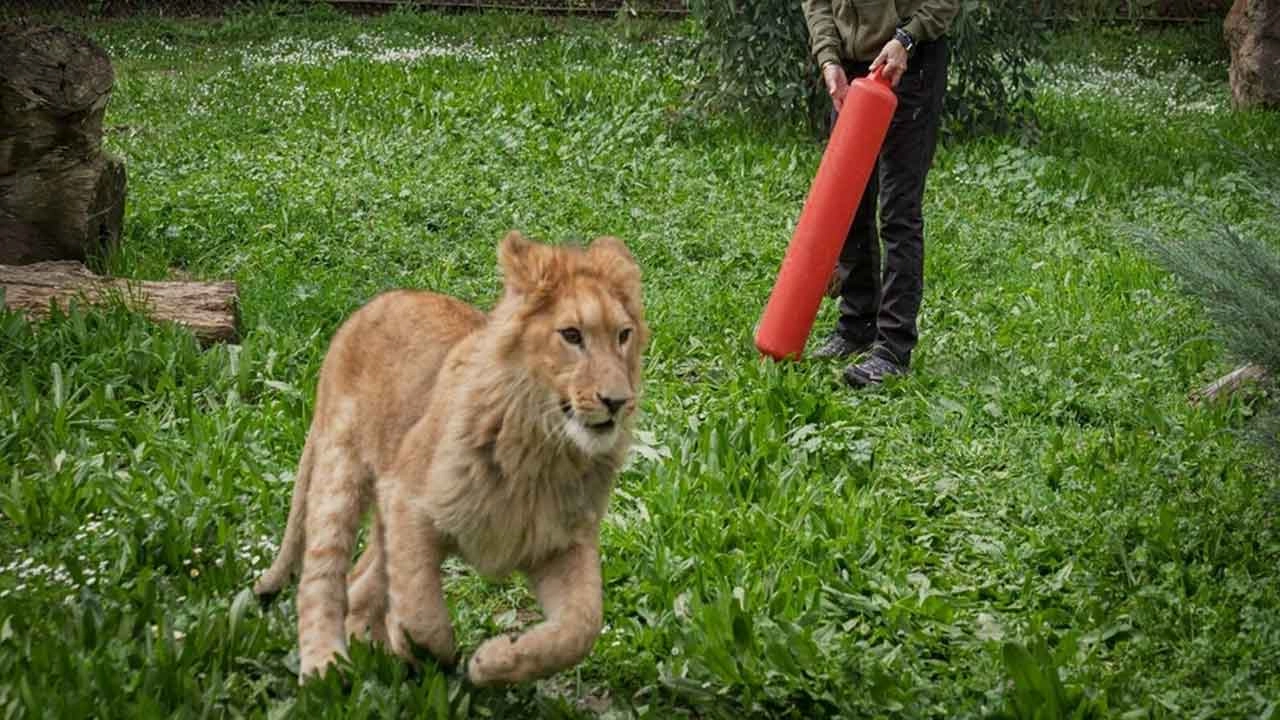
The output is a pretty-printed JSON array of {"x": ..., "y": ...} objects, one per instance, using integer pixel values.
[{"x": 281, "y": 570}]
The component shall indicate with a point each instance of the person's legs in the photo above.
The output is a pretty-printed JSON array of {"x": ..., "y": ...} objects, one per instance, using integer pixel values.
[
  {"x": 904, "y": 164},
  {"x": 859, "y": 271}
]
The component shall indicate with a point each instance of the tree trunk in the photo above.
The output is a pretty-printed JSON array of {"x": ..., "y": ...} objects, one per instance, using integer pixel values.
[
  {"x": 209, "y": 308},
  {"x": 61, "y": 197},
  {"x": 1252, "y": 32}
]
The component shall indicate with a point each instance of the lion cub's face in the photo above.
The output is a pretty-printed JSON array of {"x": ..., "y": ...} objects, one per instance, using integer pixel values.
[{"x": 582, "y": 333}]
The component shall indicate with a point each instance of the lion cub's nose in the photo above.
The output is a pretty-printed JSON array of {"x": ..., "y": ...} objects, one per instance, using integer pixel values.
[{"x": 613, "y": 403}]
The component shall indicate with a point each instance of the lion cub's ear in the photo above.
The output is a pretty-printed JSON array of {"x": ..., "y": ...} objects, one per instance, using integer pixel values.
[
  {"x": 527, "y": 267},
  {"x": 612, "y": 259}
]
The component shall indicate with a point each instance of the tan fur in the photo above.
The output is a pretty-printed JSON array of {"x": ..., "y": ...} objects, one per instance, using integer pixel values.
[{"x": 471, "y": 435}]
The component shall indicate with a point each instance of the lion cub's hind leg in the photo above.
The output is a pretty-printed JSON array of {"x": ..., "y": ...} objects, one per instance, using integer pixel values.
[
  {"x": 333, "y": 512},
  {"x": 569, "y": 589}
]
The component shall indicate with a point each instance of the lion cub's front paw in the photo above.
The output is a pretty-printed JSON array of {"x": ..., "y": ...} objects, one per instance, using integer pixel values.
[
  {"x": 317, "y": 663},
  {"x": 495, "y": 661},
  {"x": 436, "y": 644}
]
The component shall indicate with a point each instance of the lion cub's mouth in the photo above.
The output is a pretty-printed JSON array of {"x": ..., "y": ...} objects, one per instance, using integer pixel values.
[{"x": 600, "y": 427}]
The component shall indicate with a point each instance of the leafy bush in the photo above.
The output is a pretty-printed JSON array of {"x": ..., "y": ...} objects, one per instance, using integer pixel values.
[
  {"x": 989, "y": 84},
  {"x": 755, "y": 58},
  {"x": 1102, "y": 10}
]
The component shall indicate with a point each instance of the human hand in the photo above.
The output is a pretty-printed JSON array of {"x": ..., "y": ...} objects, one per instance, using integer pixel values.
[
  {"x": 893, "y": 56},
  {"x": 837, "y": 83}
]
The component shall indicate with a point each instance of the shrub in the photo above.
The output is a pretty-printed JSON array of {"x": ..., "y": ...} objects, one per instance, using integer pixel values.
[
  {"x": 754, "y": 55},
  {"x": 1233, "y": 270},
  {"x": 989, "y": 85},
  {"x": 754, "y": 58}
]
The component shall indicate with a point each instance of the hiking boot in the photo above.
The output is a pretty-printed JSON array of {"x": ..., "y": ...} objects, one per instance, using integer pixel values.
[
  {"x": 838, "y": 346},
  {"x": 872, "y": 371}
]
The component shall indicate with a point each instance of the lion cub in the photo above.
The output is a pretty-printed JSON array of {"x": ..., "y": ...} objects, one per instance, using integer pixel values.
[{"x": 493, "y": 437}]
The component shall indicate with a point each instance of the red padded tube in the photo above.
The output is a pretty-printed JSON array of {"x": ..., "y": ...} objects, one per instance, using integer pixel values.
[{"x": 825, "y": 219}]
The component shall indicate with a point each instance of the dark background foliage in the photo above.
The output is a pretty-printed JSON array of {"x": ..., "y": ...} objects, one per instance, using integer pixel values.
[
  {"x": 989, "y": 83},
  {"x": 755, "y": 55}
]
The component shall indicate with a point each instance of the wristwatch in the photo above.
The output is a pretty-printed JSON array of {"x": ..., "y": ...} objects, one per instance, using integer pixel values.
[{"x": 904, "y": 37}]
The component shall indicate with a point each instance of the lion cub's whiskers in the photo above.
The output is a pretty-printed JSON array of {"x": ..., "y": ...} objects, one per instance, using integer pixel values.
[
  {"x": 547, "y": 414},
  {"x": 552, "y": 421}
]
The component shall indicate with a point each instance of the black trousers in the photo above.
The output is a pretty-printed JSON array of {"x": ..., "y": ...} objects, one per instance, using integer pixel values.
[{"x": 880, "y": 305}]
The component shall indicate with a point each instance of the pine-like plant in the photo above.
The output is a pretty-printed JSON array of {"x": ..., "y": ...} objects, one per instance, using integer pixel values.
[{"x": 1234, "y": 272}]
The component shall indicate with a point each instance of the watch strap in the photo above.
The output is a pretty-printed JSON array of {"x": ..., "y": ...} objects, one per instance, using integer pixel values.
[{"x": 904, "y": 37}]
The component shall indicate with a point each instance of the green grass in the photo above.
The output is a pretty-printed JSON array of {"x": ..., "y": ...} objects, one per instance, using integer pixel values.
[{"x": 1034, "y": 520}]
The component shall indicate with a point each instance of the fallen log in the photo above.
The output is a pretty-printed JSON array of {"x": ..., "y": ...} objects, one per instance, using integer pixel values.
[
  {"x": 1230, "y": 383},
  {"x": 209, "y": 309}
]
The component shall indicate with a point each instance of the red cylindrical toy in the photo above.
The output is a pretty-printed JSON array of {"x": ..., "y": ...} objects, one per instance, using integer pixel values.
[{"x": 825, "y": 219}]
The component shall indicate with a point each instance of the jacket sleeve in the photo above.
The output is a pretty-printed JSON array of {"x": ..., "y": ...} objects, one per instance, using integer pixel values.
[
  {"x": 933, "y": 19},
  {"x": 824, "y": 39}
]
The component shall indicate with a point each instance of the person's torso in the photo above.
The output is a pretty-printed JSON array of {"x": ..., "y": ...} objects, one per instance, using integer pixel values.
[{"x": 866, "y": 25}]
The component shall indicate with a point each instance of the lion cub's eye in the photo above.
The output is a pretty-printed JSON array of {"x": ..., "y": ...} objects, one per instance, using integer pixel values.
[
  {"x": 571, "y": 335},
  {"x": 624, "y": 336}
]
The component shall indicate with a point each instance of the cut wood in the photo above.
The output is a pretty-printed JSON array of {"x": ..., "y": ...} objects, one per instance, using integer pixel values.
[
  {"x": 1230, "y": 383},
  {"x": 61, "y": 196},
  {"x": 60, "y": 208},
  {"x": 209, "y": 309},
  {"x": 53, "y": 94}
]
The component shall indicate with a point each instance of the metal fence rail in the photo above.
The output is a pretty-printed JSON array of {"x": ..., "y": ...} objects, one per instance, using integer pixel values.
[
  {"x": 592, "y": 7},
  {"x": 1102, "y": 11},
  {"x": 106, "y": 9}
]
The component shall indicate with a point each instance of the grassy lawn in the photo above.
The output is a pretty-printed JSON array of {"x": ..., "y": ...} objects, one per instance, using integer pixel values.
[{"x": 1035, "y": 515}]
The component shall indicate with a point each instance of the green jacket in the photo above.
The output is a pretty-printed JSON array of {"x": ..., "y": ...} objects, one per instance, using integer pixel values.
[{"x": 858, "y": 29}]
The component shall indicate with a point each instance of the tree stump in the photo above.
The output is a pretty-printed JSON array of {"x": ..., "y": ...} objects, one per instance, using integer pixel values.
[
  {"x": 210, "y": 309},
  {"x": 61, "y": 197},
  {"x": 1252, "y": 32}
]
